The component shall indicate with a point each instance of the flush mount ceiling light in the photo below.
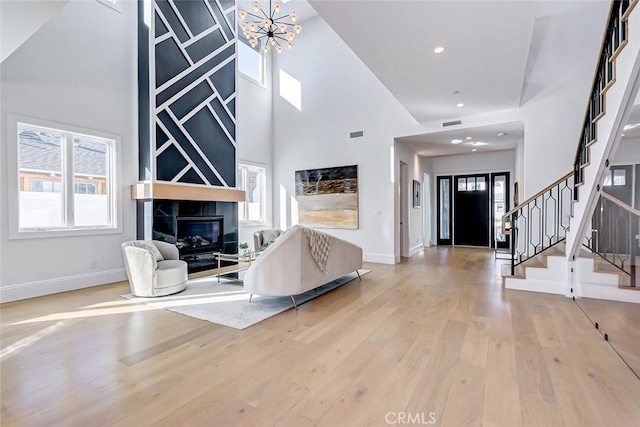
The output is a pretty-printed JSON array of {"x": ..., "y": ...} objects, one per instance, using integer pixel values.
[
  {"x": 460, "y": 105},
  {"x": 439, "y": 49},
  {"x": 476, "y": 143},
  {"x": 269, "y": 27},
  {"x": 475, "y": 149},
  {"x": 468, "y": 138},
  {"x": 631, "y": 126},
  {"x": 456, "y": 141}
]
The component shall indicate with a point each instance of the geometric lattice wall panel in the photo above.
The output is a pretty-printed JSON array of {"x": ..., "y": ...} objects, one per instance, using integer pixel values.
[{"x": 194, "y": 91}]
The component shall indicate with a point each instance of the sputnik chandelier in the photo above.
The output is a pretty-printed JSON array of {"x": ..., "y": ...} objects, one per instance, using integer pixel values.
[{"x": 270, "y": 28}]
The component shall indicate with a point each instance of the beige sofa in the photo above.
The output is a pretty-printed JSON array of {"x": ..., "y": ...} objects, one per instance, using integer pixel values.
[
  {"x": 154, "y": 268},
  {"x": 287, "y": 268}
]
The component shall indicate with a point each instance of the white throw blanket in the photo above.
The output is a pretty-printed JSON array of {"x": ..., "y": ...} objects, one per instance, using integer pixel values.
[{"x": 320, "y": 244}]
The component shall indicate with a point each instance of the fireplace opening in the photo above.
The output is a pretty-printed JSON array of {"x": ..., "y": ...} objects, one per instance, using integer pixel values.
[{"x": 198, "y": 234}]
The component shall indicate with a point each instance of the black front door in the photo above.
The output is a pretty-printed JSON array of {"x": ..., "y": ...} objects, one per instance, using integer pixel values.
[{"x": 471, "y": 217}]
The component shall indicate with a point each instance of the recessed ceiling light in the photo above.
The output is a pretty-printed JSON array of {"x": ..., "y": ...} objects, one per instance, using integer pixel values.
[
  {"x": 479, "y": 143},
  {"x": 475, "y": 149},
  {"x": 622, "y": 134},
  {"x": 439, "y": 49},
  {"x": 456, "y": 141},
  {"x": 460, "y": 105},
  {"x": 468, "y": 138}
]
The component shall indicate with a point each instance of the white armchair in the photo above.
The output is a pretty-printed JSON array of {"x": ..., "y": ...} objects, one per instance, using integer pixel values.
[{"x": 154, "y": 268}]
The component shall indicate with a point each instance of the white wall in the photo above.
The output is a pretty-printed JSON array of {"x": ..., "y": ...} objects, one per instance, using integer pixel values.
[
  {"x": 339, "y": 95},
  {"x": 628, "y": 152},
  {"x": 80, "y": 69},
  {"x": 552, "y": 123},
  {"x": 19, "y": 20},
  {"x": 254, "y": 138},
  {"x": 491, "y": 161},
  {"x": 415, "y": 171}
]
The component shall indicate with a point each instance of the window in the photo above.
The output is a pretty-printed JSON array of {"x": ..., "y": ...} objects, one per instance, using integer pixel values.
[
  {"x": 291, "y": 89},
  {"x": 616, "y": 177},
  {"x": 472, "y": 184},
  {"x": 65, "y": 180},
  {"x": 250, "y": 62},
  {"x": 252, "y": 179}
]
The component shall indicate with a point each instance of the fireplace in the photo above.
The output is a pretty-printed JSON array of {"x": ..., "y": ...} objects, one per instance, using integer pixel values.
[{"x": 197, "y": 234}]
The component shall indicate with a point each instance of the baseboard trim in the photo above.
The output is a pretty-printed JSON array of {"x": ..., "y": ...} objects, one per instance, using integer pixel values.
[
  {"x": 533, "y": 285},
  {"x": 62, "y": 284},
  {"x": 378, "y": 258},
  {"x": 610, "y": 293},
  {"x": 416, "y": 250}
]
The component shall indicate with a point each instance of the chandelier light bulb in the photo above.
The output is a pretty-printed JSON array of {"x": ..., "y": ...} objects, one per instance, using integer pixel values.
[{"x": 267, "y": 28}]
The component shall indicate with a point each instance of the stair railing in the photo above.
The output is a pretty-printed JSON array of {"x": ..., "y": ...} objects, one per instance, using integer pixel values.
[
  {"x": 540, "y": 222},
  {"x": 615, "y": 235},
  {"x": 615, "y": 39}
]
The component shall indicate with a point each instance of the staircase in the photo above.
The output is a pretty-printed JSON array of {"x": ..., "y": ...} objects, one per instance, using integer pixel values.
[{"x": 552, "y": 224}]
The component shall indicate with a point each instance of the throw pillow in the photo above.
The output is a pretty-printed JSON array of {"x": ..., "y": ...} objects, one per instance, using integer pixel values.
[
  {"x": 153, "y": 249},
  {"x": 269, "y": 236}
]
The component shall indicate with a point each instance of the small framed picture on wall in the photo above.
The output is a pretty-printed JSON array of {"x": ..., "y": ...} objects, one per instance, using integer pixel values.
[{"x": 416, "y": 194}]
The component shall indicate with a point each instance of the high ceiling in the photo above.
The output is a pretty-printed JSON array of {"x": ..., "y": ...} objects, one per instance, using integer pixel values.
[
  {"x": 499, "y": 55},
  {"x": 487, "y": 47}
]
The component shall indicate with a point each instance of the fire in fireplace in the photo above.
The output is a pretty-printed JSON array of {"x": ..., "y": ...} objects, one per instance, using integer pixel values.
[{"x": 197, "y": 234}]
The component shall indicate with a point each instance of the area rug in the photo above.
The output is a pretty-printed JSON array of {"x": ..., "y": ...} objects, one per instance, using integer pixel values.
[{"x": 227, "y": 303}]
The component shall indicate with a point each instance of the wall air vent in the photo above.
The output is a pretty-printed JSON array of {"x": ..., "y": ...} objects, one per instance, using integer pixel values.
[
  {"x": 356, "y": 134},
  {"x": 453, "y": 123}
]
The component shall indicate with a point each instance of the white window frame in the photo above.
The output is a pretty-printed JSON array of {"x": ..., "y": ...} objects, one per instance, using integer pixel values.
[
  {"x": 114, "y": 187},
  {"x": 243, "y": 166},
  {"x": 263, "y": 62}
]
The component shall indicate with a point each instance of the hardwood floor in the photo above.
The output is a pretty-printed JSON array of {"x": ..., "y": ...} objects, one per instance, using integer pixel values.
[{"x": 433, "y": 339}]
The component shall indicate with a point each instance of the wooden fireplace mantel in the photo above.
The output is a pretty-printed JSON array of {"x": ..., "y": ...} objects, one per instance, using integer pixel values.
[{"x": 171, "y": 191}]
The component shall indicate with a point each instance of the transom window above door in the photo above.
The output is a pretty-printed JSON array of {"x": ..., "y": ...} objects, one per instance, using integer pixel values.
[{"x": 475, "y": 183}]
